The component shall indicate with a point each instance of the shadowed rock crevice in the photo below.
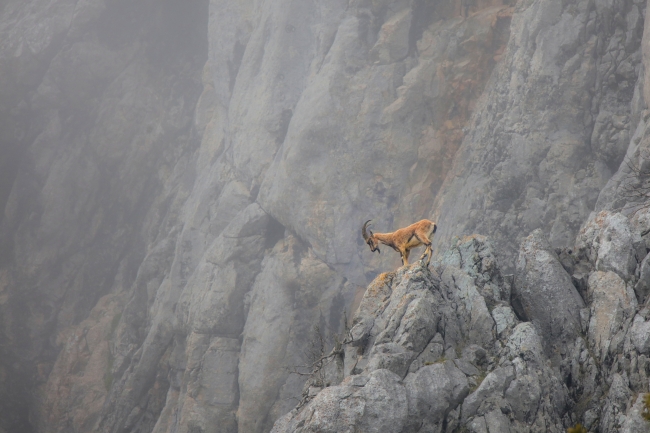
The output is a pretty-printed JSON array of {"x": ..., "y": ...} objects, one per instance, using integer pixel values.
[
  {"x": 283, "y": 125},
  {"x": 423, "y": 16}
]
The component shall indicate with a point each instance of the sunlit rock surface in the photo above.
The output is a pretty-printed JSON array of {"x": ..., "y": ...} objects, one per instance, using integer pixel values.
[{"x": 183, "y": 184}]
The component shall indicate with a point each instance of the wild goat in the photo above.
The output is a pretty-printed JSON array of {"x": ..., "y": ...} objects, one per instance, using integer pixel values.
[{"x": 403, "y": 240}]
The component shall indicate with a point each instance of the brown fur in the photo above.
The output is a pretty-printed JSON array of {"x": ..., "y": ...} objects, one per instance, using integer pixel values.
[{"x": 403, "y": 240}]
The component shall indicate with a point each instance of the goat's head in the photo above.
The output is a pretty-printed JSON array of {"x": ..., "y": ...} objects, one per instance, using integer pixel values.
[{"x": 370, "y": 238}]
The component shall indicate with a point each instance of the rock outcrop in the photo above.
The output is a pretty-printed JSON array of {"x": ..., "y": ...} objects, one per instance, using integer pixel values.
[{"x": 442, "y": 350}]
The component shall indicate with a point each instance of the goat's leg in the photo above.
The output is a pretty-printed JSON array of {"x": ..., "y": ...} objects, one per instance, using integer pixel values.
[
  {"x": 405, "y": 257},
  {"x": 427, "y": 251}
]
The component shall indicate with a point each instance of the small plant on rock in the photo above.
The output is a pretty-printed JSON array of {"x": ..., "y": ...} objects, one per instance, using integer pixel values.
[
  {"x": 478, "y": 380},
  {"x": 646, "y": 407},
  {"x": 578, "y": 428}
]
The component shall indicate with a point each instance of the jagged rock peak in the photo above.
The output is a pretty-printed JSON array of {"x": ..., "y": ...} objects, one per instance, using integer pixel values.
[{"x": 443, "y": 350}]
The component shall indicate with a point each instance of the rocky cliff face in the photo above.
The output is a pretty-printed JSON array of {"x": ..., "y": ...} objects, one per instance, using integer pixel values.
[
  {"x": 553, "y": 127},
  {"x": 183, "y": 185}
]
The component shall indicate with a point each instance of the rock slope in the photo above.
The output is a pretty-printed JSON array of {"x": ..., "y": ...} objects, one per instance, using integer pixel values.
[{"x": 463, "y": 347}]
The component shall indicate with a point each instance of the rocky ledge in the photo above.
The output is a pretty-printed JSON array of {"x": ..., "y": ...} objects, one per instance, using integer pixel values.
[{"x": 463, "y": 347}]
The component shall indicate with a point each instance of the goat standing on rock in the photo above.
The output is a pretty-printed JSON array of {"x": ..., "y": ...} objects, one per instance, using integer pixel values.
[{"x": 403, "y": 240}]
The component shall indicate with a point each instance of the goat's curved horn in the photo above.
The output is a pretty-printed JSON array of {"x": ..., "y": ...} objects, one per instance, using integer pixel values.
[{"x": 363, "y": 230}]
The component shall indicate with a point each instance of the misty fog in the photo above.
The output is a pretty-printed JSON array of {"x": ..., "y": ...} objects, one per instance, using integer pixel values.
[{"x": 184, "y": 186}]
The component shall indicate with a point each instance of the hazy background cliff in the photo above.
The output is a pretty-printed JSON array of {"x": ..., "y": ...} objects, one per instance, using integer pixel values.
[{"x": 183, "y": 182}]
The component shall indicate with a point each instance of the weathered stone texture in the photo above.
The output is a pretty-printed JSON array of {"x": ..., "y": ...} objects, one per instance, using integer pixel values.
[
  {"x": 538, "y": 375},
  {"x": 544, "y": 294},
  {"x": 182, "y": 186},
  {"x": 503, "y": 383},
  {"x": 551, "y": 129}
]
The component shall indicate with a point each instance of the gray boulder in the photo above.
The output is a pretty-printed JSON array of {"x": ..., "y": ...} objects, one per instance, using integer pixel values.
[
  {"x": 433, "y": 392},
  {"x": 640, "y": 334},
  {"x": 545, "y": 294},
  {"x": 376, "y": 404},
  {"x": 494, "y": 384}
]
